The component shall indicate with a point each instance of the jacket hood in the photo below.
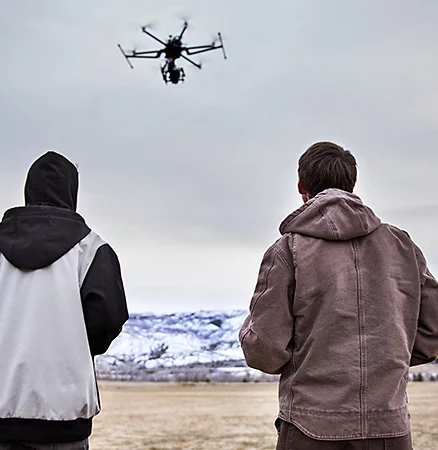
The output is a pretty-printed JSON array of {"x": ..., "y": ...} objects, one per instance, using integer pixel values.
[
  {"x": 33, "y": 237},
  {"x": 52, "y": 180},
  {"x": 38, "y": 234},
  {"x": 333, "y": 215}
]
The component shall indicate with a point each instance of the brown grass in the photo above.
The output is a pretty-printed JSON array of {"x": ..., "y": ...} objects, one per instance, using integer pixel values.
[{"x": 223, "y": 416}]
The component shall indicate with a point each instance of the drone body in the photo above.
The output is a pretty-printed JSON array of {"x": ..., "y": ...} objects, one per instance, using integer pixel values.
[{"x": 172, "y": 50}]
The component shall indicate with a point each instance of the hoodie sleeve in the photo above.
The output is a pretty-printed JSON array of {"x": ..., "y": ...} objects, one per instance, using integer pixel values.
[
  {"x": 267, "y": 331},
  {"x": 426, "y": 342},
  {"x": 103, "y": 300}
]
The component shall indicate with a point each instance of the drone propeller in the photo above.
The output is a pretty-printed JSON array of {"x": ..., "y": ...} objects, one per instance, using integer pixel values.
[
  {"x": 215, "y": 39},
  {"x": 185, "y": 19},
  {"x": 149, "y": 26},
  {"x": 136, "y": 25}
]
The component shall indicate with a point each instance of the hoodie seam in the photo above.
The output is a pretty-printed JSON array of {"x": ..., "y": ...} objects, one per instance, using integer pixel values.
[
  {"x": 265, "y": 281},
  {"x": 294, "y": 251},
  {"x": 282, "y": 256},
  {"x": 330, "y": 223},
  {"x": 362, "y": 342},
  {"x": 294, "y": 214},
  {"x": 293, "y": 358}
]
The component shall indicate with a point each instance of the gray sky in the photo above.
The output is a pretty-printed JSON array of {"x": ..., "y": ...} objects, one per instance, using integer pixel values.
[{"x": 189, "y": 183}]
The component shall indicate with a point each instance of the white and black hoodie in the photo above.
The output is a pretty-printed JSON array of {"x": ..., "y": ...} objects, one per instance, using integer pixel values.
[{"x": 61, "y": 302}]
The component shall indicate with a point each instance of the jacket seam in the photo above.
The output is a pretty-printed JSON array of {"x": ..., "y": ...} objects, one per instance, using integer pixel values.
[
  {"x": 330, "y": 223},
  {"x": 87, "y": 266},
  {"x": 294, "y": 250},
  {"x": 294, "y": 363},
  {"x": 325, "y": 412},
  {"x": 362, "y": 353},
  {"x": 279, "y": 252},
  {"x": 246, "y": 332},
  {"x": 348, "y": 436},
  {"x": 266, "y": 282},
  {"x": 294, "y": 214}
]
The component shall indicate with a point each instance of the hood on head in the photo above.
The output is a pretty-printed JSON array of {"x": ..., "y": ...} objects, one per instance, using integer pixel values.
[
  {"x": 52, "y": 180},
  {"x": 333, "y": 215},
  {"x": 38, "y": 234}
]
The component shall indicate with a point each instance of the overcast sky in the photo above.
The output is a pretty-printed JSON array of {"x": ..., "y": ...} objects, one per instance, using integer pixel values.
[{"x": 189, "y": 183}]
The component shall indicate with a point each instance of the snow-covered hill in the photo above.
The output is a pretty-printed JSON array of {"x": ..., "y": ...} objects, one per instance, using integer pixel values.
[{"x": 191, "y": 346}]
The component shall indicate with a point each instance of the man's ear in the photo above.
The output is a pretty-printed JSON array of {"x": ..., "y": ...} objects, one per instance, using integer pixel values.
[{"x": 301, "y": 189}]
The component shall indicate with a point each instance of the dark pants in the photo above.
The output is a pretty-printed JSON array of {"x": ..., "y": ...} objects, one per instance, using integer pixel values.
[
  {"x": 291, "y": 438},
  {"x": 79, "y": 445}
]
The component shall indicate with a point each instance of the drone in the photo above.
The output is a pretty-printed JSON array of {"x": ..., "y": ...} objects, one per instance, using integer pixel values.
[{"x": 173, "y": 49}]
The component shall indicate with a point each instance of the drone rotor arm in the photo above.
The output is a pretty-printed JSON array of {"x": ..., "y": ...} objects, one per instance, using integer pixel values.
[
  {"x": 201, "y": 49},
  {"x": 190, "y": 61},
  {"x": 183, "y": 30},
  {"x": 206, "y": 48},
  {"x": 144, "y": 29},
  {"x": 147, "y": 54},
  {"x": 198, "y": 47}
]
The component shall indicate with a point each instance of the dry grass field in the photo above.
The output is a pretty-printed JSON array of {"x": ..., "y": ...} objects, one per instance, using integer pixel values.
[{"x": 217, "y": 416}]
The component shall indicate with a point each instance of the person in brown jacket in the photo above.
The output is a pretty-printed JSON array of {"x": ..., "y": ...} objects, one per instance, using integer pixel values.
[{"x": 343, "y": 305}]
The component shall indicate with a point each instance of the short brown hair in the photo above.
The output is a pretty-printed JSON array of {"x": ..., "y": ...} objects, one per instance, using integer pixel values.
[{"x": 327, "y": 165}]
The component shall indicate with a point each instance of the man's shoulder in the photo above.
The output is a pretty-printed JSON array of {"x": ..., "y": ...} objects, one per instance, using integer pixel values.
[
  {"x": 284, "y": 248},
  {"x": 399, "y": 232},
  {"x": 91, "y": 240}
]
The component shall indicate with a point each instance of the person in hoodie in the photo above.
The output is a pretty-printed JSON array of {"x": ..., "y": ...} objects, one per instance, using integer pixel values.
[
  {"x": 62, "y": 302},
  {"x": 343, "y": 305}
]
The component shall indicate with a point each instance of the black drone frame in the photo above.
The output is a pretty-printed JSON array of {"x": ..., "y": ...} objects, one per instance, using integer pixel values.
[{"x": 154, "y": 54}]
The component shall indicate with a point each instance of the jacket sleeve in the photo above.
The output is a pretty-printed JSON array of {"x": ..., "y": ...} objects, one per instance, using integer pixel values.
[
  {"x": 103, "y": 300},
  {"x": 426, "y": 342},
  {"x": 268, "y": 330}
]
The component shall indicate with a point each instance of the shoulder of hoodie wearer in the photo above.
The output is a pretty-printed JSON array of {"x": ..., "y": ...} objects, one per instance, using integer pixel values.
[
  {"x": 105, "y": 247},
  {"x": 105, "y": 263},
  {"x": 109, "y": 251}
]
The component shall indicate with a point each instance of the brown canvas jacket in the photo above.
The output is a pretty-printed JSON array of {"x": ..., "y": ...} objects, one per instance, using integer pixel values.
[{"x": 344, "y": 304}]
